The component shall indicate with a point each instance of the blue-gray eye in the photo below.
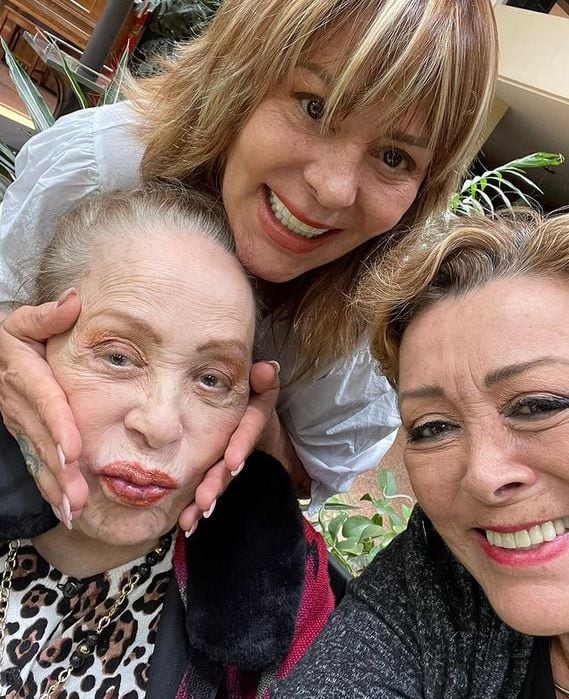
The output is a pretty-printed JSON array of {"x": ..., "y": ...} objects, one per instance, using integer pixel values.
[
  {"x": 119, "y": 360},
  {"x": 209, "y": 380}
]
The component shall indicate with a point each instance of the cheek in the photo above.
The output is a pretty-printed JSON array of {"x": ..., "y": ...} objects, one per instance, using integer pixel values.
[{"x": 435, "y": 478}]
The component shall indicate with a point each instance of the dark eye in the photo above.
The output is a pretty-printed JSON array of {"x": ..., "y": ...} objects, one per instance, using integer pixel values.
[
  {"x": 119, "y": 360},
  {"x": 429, "y": 430},
  {"x": 536, "y": 407},
  {"x": 393, "y": 158},
  {"x": 313, "y": 106}
]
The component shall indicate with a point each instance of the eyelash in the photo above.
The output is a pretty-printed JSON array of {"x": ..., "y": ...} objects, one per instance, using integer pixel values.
[
  {"x": 441, "y": 428},
  {"x": 545, "y": 406},
  {"x": 539, "y": 408}
]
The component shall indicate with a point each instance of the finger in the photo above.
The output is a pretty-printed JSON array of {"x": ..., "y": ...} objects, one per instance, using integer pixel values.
[
  {"x": 215, "y": 481},
  {"x": 38, "y": 323},
  {"x": 265, "y": 383},
  {"x": 46, "y": 482},
  {"x": 189, "y": 518}
]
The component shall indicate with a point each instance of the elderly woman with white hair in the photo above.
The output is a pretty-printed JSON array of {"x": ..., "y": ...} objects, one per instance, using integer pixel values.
[{"x": 113, "y": 602}]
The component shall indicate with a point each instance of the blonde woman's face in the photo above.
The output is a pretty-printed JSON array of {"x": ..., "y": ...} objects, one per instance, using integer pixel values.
[
  {"x": 157, "y": 375},
  {"x": 484, "y": 396},
  {"x": 297, "y": 199}
]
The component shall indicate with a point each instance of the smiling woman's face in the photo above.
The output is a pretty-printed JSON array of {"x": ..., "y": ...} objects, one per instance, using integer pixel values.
[
  {"x": 297, "y": 199},
  {"x": 484, "y": 391},
  {"x": 157, "y": 375}
]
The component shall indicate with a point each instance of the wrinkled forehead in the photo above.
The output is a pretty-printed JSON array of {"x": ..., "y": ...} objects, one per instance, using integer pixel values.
[{"x": 178, "y": 283}]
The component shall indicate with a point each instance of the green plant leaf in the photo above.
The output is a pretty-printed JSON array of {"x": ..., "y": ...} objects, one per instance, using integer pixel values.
[
  {"x": 540, "y": 159},
  {"x": 71, "y": 79},
  {"x": 335, "y": 524},
  {"x": 29, "y": 94},
  {"x": 353, "y": 526},
  {"x": 387, "y": 483},
  {"x": 350, "y": 546},
  {"x": 113, "y": 93}
]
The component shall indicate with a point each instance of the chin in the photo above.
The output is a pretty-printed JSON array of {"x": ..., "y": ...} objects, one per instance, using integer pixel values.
[
  {"x": 127, "y": 526},
  {"x": 533, "y": 612}
]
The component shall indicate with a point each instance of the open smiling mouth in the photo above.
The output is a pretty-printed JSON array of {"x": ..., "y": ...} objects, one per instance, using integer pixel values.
[
  {"x": 290, "y": 221},
  {"x": 526, "y": 539}
]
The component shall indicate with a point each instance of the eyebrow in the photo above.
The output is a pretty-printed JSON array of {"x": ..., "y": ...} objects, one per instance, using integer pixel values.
[
  {"x": 141, "y": 326},
  {"x": 232, "y": 346},
  {"x": 422, "y": 392},
  {"x": 513, "y": 370}
]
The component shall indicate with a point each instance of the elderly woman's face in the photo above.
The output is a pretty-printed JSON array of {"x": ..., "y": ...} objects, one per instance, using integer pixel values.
[
  {"x": 157, "y": 374},
  {"x": 484, "y": 389},
  {"x": 297, "y": 199}
]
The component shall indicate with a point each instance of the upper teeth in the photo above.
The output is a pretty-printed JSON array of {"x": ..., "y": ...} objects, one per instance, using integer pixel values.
[
  {"x": 526, "y": 538},
  {"x": 290, "y": 221}
]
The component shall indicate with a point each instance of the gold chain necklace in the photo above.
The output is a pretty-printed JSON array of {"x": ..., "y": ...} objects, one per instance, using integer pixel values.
[
  {"x": 561, "y": 689},
  {"x": 88, "y": 644}
]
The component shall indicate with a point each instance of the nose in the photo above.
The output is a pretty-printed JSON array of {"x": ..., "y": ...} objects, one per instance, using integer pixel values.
[
  {"x": 333, "y": 175},
  {"x": 156, "y": 419},
  {"x": 497, "y": 471}
]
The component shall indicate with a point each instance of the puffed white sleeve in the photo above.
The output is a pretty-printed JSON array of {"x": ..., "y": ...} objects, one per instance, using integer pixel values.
[
  {"x": 54, "y": 170},
  {"x": 341, "y": 423}
]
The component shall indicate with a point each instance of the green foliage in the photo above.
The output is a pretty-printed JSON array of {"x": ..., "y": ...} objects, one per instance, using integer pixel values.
[
  {"x": 477, "y": 195},
  {"x": 354, "y": 538},
  {"x": 37, "y": 107}
]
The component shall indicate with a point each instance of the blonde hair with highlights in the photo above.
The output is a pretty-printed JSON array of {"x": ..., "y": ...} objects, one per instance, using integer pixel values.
[
  {"x": 456, "y": 257},
  {"x": 434, "y": 58}
]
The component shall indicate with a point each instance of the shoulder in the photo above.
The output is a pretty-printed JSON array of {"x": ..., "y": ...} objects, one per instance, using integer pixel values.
[{"x": 97, "y": 146}]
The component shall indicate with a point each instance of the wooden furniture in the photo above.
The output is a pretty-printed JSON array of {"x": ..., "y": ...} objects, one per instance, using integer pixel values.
[{"x": 70, "y": 20}]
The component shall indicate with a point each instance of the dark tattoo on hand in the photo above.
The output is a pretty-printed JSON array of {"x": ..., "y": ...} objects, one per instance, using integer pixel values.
[{"x": 32, "y": 460}]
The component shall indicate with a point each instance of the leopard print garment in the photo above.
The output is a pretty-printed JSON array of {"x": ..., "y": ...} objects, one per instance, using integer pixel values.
[{"x": 49, "y": 612}]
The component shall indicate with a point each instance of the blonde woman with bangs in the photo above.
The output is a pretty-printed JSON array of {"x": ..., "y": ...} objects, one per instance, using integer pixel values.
[
  {"x": 326, "y": 128},
  {"x": 472, "y": 601}
]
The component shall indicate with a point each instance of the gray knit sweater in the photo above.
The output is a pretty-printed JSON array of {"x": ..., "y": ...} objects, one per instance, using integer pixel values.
[{"x": 415, "y": 625}]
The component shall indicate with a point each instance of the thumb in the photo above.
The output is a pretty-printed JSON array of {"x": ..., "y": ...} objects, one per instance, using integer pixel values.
[{"x": 38, "y": 323}]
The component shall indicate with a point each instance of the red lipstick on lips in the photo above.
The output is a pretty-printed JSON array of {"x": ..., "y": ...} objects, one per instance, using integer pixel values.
[{"x": 134, "y": 485}]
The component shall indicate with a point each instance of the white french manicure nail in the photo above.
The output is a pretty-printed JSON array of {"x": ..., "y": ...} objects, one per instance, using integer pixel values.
[
  {"x": 276, "y": 365},
  {"x": 207, "y": 513},
  {"x": 66, "y": 511},
  {"x": 60, "y": 456},
  {"x": 191, "y": 531},
  {"x": 237, "y": 471},
  {"x": 57, "y": 513}
]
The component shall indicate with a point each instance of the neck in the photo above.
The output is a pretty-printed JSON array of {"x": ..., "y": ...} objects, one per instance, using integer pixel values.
[{"x": 78, "y": 555}]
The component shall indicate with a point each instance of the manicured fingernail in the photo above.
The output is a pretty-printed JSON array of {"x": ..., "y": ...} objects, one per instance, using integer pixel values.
[
  {"x": 237, "y": 471},
  {"x": 276, "y": 365},
  {"x": 191, "y": 531},
  {"x": 57, "y": 513},
  {"x": 60, "y": 456},
  {"x": 65, "y": 295},
  {"x": 207, "y": 513},
  {"x": 66, "y": 511}
]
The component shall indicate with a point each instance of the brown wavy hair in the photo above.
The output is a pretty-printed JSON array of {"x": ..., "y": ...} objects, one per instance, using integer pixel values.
[
  {"x": 453, "y": 257},
  {"x": 436, "y": 56}
]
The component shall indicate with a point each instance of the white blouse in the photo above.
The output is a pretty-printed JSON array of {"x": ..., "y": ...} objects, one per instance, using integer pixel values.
[{"x": 341, "y": 422}]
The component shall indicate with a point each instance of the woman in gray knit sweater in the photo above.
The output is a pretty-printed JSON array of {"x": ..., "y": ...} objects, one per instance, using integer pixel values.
[{"x": 473, "y": 600}]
